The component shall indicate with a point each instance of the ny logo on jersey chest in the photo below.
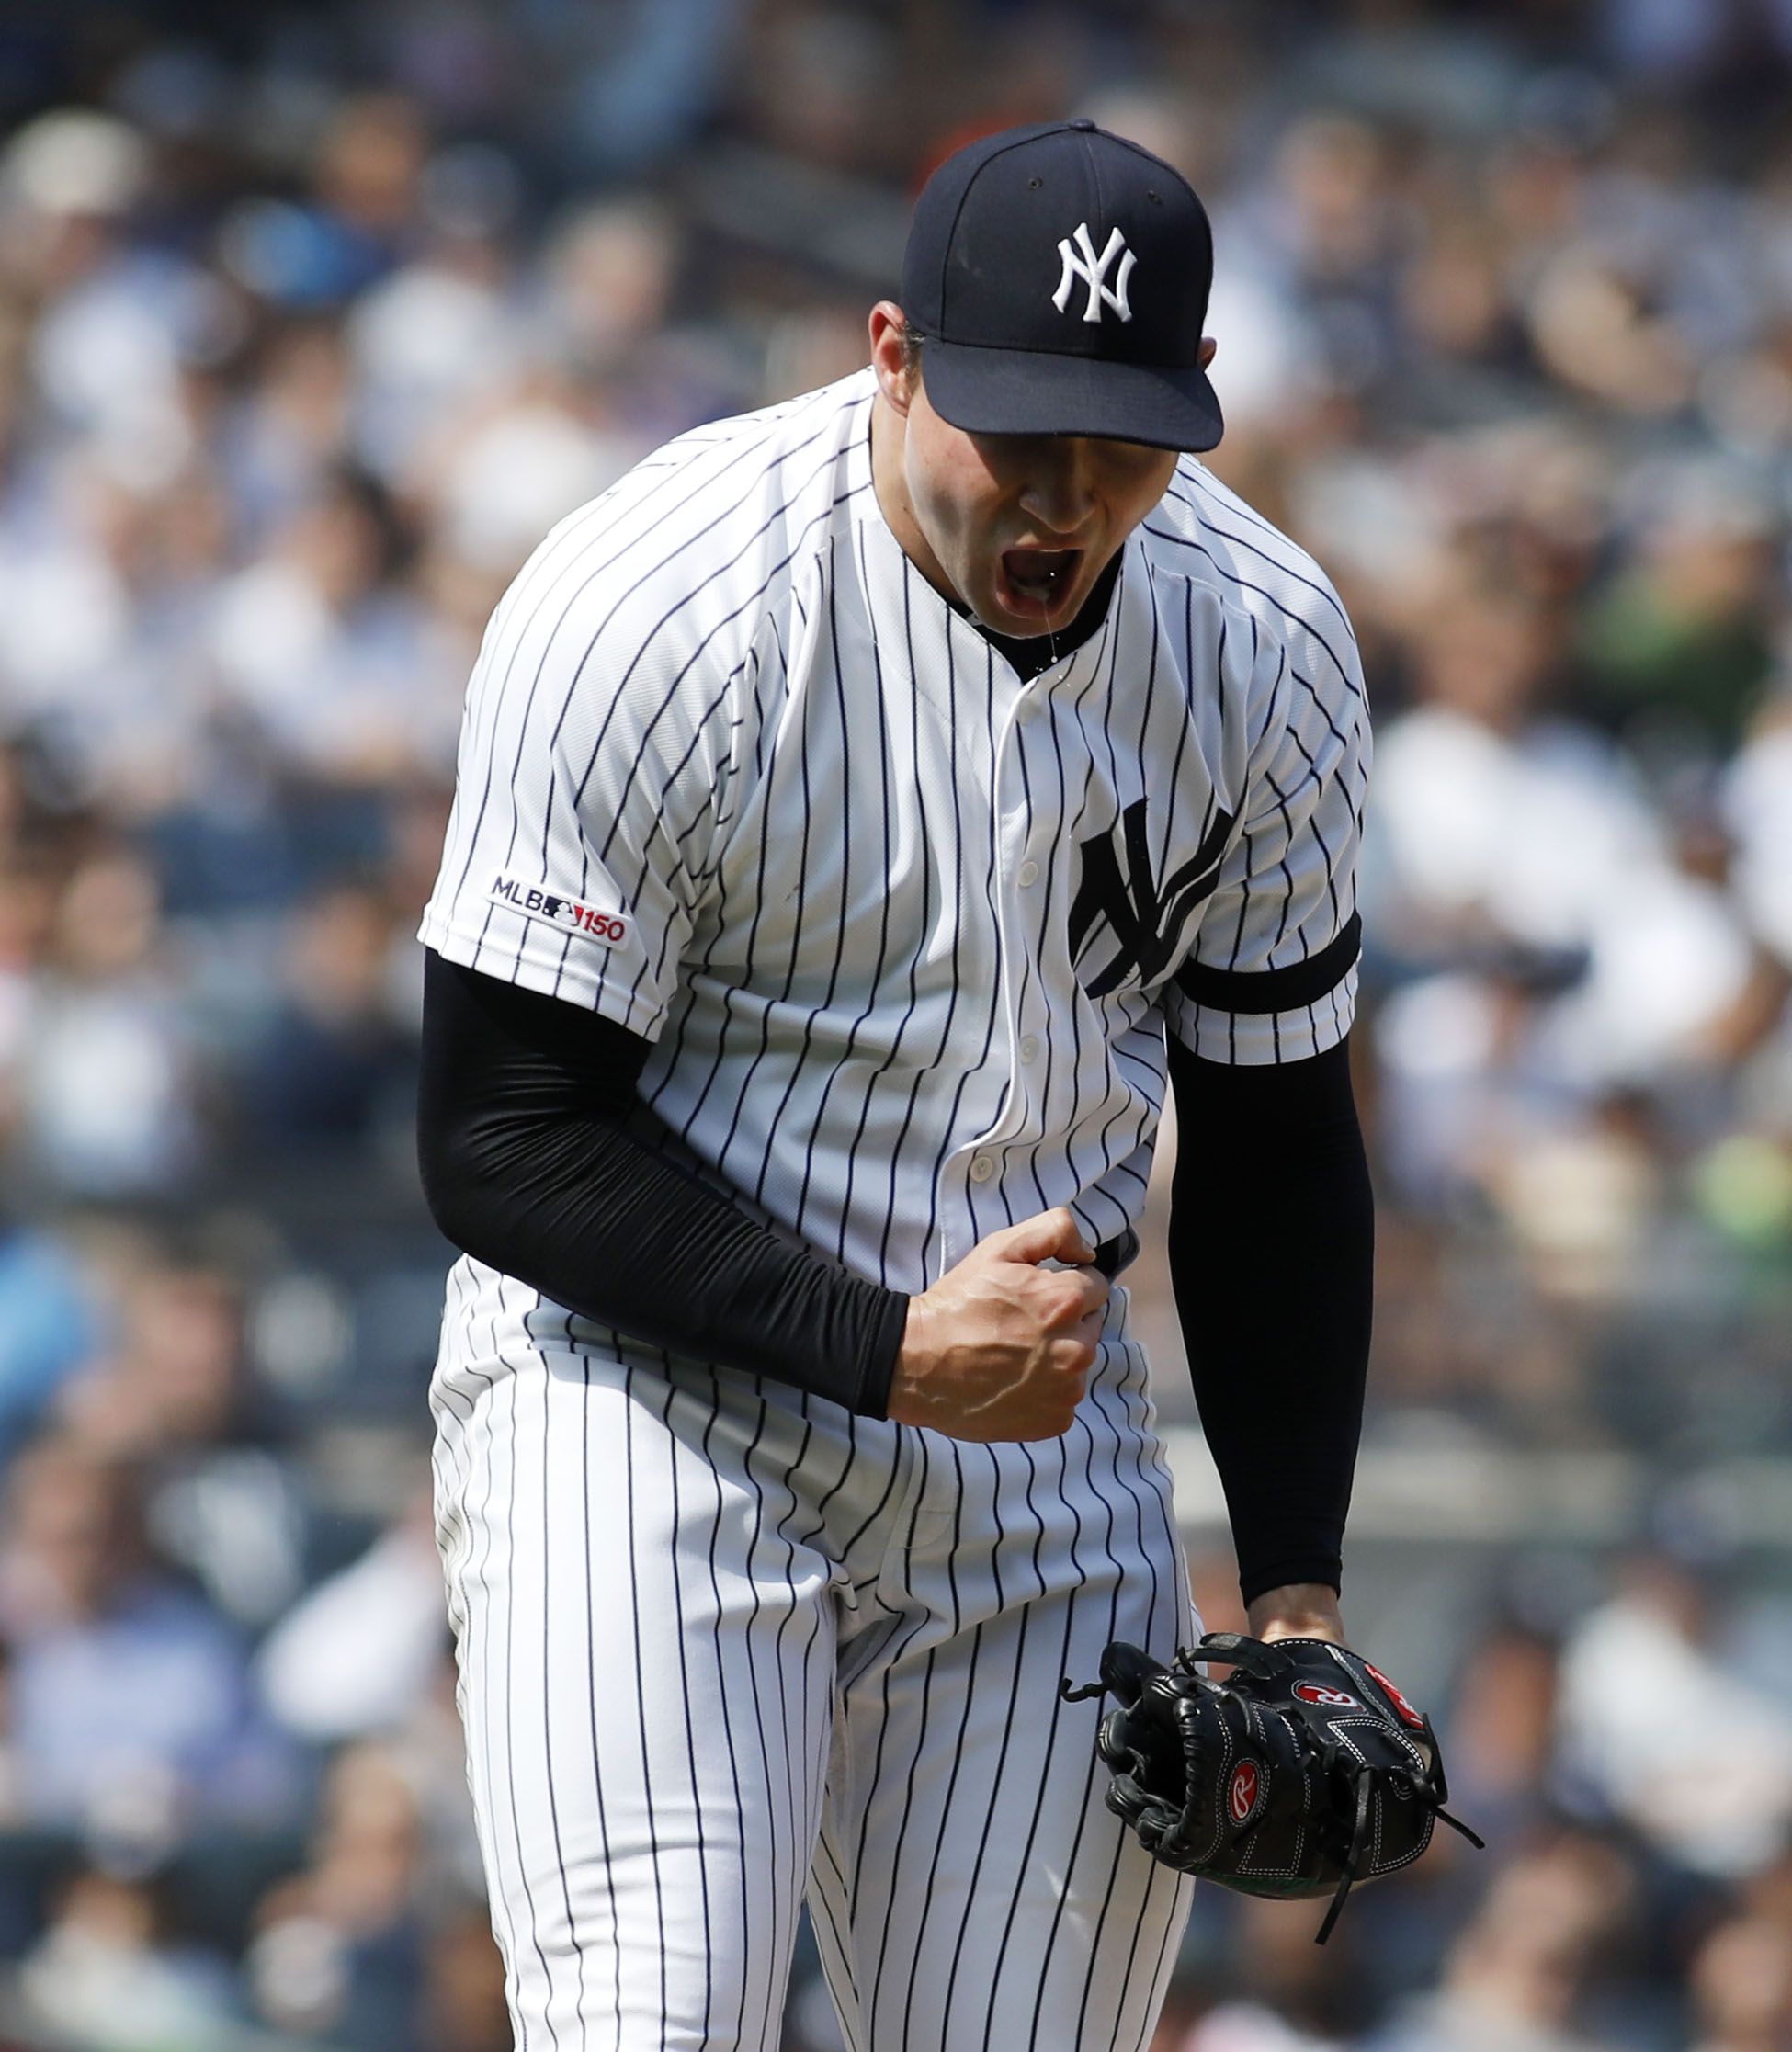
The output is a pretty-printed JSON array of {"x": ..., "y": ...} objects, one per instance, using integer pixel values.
[{"x": 1146, "y": 917}]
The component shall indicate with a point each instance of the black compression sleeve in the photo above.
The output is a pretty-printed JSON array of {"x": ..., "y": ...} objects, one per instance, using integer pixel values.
[
  {"x": 1271, "y": 1243},
  {"x": 539, "y": 1158}
]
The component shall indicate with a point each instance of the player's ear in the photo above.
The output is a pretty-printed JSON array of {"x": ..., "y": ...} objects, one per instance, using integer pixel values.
[
  {"x": 895, "y": 355},
  {"x": 1209, "y": 348}
]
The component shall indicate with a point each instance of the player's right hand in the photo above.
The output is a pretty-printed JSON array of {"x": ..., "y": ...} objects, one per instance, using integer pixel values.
[{"x": 1001, "y": 1348}]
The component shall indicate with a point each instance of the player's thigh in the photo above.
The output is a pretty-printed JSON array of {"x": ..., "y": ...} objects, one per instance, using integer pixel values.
[
  {"x": 646, "y": 1662},
  {"x": 971, "y": 1890}
]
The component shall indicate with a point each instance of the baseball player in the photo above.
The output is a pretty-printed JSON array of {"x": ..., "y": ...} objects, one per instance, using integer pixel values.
[{"x": 863, "y": 807}]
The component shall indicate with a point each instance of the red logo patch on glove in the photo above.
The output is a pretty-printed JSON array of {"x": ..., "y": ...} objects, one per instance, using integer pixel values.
[
  {"x": 1246, "y": 1786},
  {"x": 1332, "y": 1699},
  {"x": 1407, "y": 1713}
]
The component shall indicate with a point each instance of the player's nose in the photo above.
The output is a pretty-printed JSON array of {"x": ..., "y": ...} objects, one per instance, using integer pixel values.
[{"x": 1058, "y": 493}]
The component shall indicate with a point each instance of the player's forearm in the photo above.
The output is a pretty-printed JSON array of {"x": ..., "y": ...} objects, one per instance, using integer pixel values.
[
  {"x": 527, "y": 1165},
  {"x": 1272, "y": 1255}
]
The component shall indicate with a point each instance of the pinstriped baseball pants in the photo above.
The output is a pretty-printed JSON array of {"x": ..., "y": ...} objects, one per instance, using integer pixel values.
[{"x": 722, "y": 1645}]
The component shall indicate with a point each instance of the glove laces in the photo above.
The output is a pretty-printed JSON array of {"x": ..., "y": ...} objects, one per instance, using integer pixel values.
[{"x": 1429, "y": 1792}]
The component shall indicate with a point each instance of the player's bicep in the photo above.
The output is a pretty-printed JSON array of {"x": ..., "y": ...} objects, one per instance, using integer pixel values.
[
  {"x": 1272, "y": 975},
  {"x": 585, "y": 796}
]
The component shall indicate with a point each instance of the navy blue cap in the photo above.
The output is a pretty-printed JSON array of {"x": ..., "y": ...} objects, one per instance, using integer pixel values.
[{"x": 1061, "y": 277}]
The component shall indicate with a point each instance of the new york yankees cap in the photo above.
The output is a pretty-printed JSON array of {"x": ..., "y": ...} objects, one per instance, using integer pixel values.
[{"x": 1059, "y": 275}]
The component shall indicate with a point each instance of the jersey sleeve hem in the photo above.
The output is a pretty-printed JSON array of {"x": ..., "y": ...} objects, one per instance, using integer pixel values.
[
  {"x": 1258, "y": 1040},
  {"x": 532, "y": 970}
]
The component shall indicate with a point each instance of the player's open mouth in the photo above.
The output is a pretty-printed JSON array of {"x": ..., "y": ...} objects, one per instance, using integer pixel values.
[{"x": 1035, "y": 582}]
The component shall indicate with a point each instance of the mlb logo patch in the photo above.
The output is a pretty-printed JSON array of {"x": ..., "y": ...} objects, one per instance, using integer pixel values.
[{"x": 572, "y": 916}]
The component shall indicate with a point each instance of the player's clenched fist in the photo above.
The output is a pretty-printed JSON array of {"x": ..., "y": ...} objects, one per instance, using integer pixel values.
[{"x": 1001, "y": 1348}]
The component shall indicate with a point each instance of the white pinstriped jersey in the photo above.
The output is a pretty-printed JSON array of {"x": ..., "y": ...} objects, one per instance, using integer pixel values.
[{"x": 906, "y": 931}]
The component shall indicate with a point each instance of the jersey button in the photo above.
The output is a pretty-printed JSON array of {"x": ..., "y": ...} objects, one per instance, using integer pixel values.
[
  {"x": 1029, "y": 873},
  {"x": 1029, "y": 708},
  {"x": 1029, "y": 1049},
  {"x": 981, "y": 1169}
]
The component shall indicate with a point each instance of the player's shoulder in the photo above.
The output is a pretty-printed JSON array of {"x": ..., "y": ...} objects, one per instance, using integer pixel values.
[
  {"x": 711, "y": 525},
  {"x": 1203, "y": 530}
]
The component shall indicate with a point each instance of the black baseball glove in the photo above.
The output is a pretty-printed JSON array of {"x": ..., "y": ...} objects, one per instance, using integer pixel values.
[{"x": 1305, "y": 1772}]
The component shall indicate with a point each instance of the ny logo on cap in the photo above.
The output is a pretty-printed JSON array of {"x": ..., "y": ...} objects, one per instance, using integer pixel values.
[{"x": 1080, "y": 261}]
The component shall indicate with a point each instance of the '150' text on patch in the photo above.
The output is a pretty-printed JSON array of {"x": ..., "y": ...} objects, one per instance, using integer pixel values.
[{"x": 572, "y": 916}]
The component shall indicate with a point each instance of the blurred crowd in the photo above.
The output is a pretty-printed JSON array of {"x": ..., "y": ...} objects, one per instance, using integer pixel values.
[{"x": 312, "y": 322}]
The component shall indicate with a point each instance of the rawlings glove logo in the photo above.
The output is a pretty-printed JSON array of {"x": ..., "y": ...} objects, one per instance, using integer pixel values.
[{"x": 1330, "y": 1699}]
